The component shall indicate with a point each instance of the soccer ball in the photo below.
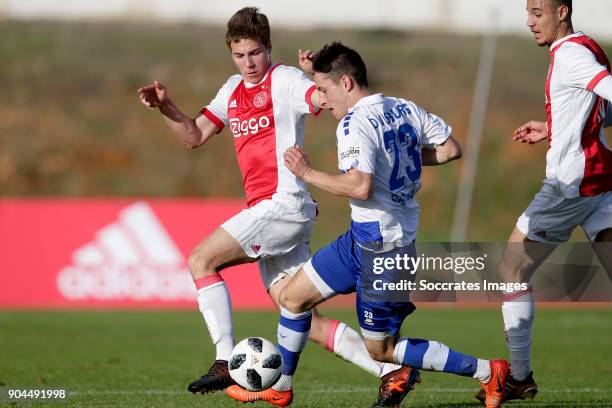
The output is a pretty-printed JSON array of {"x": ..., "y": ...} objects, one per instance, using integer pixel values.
[{"x": 255, "y": 364}]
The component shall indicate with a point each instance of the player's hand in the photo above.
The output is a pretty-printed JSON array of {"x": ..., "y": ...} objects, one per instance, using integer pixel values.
[
  {"x": 305, "y": 60},
  {"x": 531, "y": 132},
  {"x": 296, "y": 161},
  {"x": 153, "y": 96}
]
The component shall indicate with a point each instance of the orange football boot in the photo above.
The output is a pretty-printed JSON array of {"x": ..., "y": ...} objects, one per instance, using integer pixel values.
[
  {"x": 395, "y": 386},
  {"x": 496, "y": 387},
  {"x": 515, "y": 389},
  {"x": 276, "y": 398}
]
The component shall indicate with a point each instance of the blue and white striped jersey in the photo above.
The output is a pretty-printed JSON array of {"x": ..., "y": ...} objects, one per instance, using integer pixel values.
[{"x": 383, "y": 136}]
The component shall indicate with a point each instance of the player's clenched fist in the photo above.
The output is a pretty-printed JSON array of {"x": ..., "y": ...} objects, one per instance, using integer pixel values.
[
  {"x": 296, "y": 161},
  {"x": 153, "y": 96},
  {"x": 305, "y": 58}
]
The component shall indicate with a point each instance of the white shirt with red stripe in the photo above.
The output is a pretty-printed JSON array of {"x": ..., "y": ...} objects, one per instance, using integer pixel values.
[
  {"x": 265, "y": 119},
  {"x": 579, "y": 160}
]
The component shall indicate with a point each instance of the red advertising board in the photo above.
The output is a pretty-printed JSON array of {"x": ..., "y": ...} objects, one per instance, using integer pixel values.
[{"x": 83, "y": 253}]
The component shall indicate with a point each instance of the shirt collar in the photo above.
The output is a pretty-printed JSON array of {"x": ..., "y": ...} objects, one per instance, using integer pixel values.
[
  {"x": 247, "y": 84},
  {"x": 368, "y": 100},
  {"x": 567, "y": 37}
]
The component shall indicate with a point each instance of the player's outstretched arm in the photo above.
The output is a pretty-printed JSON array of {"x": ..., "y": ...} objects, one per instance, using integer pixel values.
[
  {"x": 531, "y": 132},
  {"x": 191, "y": 132},
  {"x": 443, "y": 153},
  {"x": 353, "y": 184}
]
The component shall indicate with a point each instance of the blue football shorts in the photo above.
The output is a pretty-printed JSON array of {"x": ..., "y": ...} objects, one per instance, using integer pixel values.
[{"x": 337, "y": 269}]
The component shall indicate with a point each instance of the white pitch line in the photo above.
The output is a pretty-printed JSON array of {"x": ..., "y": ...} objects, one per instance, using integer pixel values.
[{"x": 462, "y": 390}]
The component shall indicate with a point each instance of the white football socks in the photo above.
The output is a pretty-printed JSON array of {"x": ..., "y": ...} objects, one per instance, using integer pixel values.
[
  {"x": 349, "y": 345},
  {"x": 216, "y": 307},
  {"x": 518, "y": 312},
  {"x": 483, "y": 371},
  {"x": 284, "y": 383}
]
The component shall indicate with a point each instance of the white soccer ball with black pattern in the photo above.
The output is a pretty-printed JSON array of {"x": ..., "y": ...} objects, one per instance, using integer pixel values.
[{"x": 255, "y": 364}]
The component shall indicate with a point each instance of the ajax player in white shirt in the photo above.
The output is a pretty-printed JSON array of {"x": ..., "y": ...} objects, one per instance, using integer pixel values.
[
  {"x": 264, "y": 107},
  {"x": 577, "y": 190},
  {"x": 382, "y": 144}
]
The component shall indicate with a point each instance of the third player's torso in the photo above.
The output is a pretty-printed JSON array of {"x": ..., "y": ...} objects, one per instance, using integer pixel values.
[{"x": 578, "y": 161}]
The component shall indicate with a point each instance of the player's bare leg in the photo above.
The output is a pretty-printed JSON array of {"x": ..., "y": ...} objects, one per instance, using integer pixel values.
[
  {"x": 218, "y": 251},
  {"x": 320, "y": 327},
  {"x": 335, "y": 336},
  {"x": 522, "y": 257},
  {"x": 320, "y": 324},
  {"x": 339, "y": 338},
  {"x": 297, "y": 295},
  {"x": 520, "y": 260},
  {"x": 296, "y": 300}
]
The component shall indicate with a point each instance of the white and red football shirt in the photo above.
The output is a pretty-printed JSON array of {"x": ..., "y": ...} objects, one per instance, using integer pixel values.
[
  {"x": 266, "y": 119},
  {"x": 579, "y": 161}
]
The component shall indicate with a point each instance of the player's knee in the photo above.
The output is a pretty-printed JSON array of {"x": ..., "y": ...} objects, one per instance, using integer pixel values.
[
  {"x": 199, "y": 264},
  {"x": 292, "y": 302}
]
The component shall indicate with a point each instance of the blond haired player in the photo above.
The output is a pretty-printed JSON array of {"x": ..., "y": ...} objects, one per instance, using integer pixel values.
[{"x": 264, "y": 107}]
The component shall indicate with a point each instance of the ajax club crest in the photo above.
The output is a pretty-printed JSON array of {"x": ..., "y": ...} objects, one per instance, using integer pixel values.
[{"x": 260, "y": 99}]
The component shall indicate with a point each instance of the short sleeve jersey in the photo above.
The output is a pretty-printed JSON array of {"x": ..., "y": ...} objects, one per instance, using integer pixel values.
[
  {"x": 265, "y": 119},
  {"x": 383, "y": 136},
  {"x": 579, "y": 161}
]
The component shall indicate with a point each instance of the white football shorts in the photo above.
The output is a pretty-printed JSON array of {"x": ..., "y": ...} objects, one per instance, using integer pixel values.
[
  {"x": 277, "y": 231},
  {"x": 551, "y": 218}
]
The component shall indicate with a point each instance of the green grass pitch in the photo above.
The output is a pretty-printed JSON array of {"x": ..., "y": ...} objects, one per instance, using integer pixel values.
[{"x": 145, "y": 359}]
